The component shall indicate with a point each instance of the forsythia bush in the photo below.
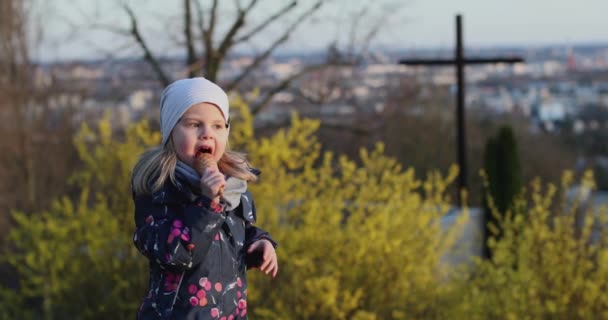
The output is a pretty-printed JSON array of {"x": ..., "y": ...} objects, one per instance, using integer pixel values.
[
  {"x": 359, "y": 239},
  {"x": 76, "y": 260},
  {"x": 551, "y": 263},
  {"x": 356, "y": 241}
]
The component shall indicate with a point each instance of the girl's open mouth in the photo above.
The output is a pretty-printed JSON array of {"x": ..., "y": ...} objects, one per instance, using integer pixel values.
[{"x": 205, "y": 150}]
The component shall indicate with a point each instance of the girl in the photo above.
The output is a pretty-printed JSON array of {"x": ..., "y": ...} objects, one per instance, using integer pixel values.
[{"x": 196, "y": 228}]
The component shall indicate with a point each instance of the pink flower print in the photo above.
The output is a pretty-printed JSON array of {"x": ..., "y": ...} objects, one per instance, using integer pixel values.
[
  {"x": 205, "y": 283},
  {"x": 238, "y": 294},
  {"x": 202, "y": 302},
  {"x": 242, "y": 304},
  {"x": 223, "y": 318},
  {"x": 215, "y": 313},
  {"x": 201, "y": 294},
  {"x": 175, "y": 233},
  {"x": 192, "y": 289},
  {"x": 171, "y": 281},
  {"x": 218, "y": 287},
  {"x": 230, "y": 317},
  {"x": 177, "y": 223},
  {"x": 193, "y": 301},
  {"x": 243, "y": 313},
  {"x": 217, "y": 236},
  {"x": 239, "y": 282},
  {"x": 185, "y": 237}
]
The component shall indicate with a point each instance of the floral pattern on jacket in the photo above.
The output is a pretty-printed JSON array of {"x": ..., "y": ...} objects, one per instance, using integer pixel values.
[{"x": 197, "y": 254}]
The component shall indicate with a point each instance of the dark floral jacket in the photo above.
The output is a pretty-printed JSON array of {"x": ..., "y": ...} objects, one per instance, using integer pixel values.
[{"x": 197, "y": 254}]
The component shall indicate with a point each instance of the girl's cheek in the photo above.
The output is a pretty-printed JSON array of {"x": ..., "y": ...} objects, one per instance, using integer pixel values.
[{"x": 184, "y": 150}]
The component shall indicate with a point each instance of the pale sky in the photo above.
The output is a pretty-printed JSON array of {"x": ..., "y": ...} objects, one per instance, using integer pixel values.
[
  {"x": 412, "y": 24},
  {"x": 492, "y": 22}
]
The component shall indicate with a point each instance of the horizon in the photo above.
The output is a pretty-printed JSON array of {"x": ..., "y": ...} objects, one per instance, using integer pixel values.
[{"x": 291, "y": 52}]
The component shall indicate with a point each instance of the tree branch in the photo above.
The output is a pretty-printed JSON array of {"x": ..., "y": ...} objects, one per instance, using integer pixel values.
[
  {"x": 147, "y": 53},
  {"x": 211, "y": 27},
  {"x": 110, "y": 28},
  {"x": 256, "y": 62},
  {"x": 206, "y": 41},
  {"x": 323, "y": 96},
  {"x": 190, "y": 52},
  {"x": 237, "y": 4},
  {"x": 209, "y": 63},
  {"x": 368, "y": 39},
  {"x": 353, "y": 30},
  {"x": 228, "y": 40},
  {"x": 258, "y": 107},
  {"x": 268, "y": 21}
]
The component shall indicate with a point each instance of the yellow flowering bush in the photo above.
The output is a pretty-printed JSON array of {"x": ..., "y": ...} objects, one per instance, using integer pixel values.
[
  {"x": 359, "y": 239},
  {"x": 551, "y": 262}
]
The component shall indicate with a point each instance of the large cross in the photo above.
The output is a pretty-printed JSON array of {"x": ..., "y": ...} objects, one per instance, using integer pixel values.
[{"x": 460, "y": 63}]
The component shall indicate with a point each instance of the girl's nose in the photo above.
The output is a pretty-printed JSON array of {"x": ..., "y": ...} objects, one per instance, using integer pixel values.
[{"x": 204, "y": 133}]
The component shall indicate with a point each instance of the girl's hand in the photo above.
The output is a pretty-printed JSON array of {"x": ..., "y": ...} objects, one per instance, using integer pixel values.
[
  {"x": 269, "y": 256},
  {"x": 212, "y": 183}
]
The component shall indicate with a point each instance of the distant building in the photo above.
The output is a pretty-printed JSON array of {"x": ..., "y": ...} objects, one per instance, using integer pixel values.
[{"x": 550, "y": 111}]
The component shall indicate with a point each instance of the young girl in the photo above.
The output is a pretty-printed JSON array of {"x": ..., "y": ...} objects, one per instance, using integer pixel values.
[{"x": 196, "y": 228}]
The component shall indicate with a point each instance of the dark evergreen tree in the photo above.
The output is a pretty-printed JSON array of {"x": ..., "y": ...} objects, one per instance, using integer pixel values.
[{"x": 501, "y": 164}]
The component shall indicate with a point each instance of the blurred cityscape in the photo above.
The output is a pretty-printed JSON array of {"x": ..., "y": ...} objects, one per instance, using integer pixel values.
[{"x": 555, "y": 85}]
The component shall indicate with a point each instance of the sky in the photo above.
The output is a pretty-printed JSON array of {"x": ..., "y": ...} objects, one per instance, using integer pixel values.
[
  {"x": 491, "y": 22},
  {"x": 69, "y": 31}
]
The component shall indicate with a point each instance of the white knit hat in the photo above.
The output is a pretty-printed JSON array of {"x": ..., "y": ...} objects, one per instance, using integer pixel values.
[{"x": 180, "y": 95}]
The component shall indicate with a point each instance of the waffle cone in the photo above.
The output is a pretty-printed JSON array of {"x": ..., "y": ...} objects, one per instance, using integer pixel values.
[{"x": 202, "y": 161}]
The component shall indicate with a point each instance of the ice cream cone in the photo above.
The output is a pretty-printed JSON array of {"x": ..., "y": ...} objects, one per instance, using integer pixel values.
[{"x": 203, "y": 161}]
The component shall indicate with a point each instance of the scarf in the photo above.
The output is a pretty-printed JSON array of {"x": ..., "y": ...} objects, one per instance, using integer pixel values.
[{"x": 233, "y": 190}]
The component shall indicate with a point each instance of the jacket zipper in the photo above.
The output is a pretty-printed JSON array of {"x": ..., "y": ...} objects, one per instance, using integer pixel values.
[{"x": 179, "y": 284}]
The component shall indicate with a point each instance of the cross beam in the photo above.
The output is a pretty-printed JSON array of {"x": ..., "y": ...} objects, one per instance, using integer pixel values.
[{"x": 459, "y": 62}]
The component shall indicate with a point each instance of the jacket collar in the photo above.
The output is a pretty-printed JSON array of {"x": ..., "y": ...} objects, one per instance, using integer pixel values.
[{"x": 178, "y": 193}]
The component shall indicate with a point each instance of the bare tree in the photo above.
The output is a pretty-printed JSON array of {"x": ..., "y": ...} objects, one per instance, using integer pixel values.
[
  {"x": 14, "y": 70},
  {"x": 211, "y": 30},
  {"x": 216, "y": 46},
  {"x": 35, "y": 134}
]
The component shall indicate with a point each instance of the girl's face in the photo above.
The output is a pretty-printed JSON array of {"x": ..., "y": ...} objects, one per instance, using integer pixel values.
[{"x": 201, "y": 129}]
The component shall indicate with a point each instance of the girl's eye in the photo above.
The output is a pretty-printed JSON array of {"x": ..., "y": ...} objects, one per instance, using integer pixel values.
[{"x": 217, "y": 127}]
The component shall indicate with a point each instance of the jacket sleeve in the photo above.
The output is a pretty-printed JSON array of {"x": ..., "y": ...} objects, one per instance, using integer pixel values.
[
  {"x": 175, "y": 237},
  {"x": 253, "y": 233}
]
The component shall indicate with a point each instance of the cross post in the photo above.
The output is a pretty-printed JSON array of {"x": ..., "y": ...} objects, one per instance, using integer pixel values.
[{"x": 459, "y": 62}]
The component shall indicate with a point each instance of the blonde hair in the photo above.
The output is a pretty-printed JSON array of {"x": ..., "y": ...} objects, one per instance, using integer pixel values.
[{"x": 156, "y": 165}]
